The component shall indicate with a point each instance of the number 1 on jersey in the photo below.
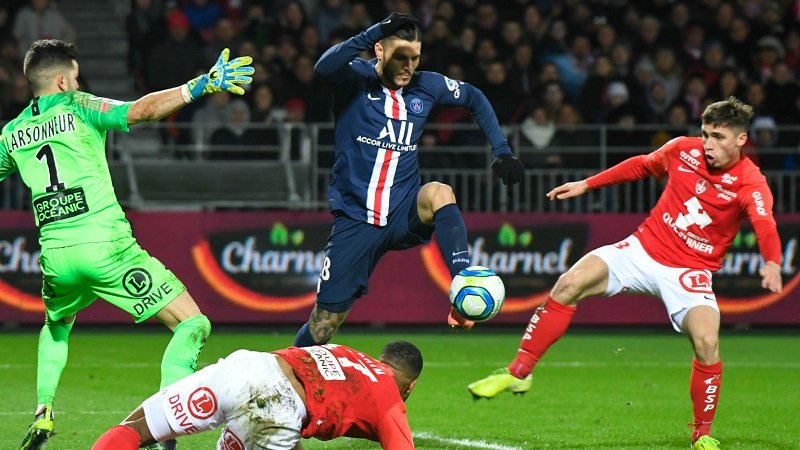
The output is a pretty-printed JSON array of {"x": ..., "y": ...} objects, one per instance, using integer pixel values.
[{"x": 46, "y": 152}]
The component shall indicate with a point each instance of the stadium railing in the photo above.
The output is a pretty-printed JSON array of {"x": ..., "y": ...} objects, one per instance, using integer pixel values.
[{"x": 177, "y": 166}]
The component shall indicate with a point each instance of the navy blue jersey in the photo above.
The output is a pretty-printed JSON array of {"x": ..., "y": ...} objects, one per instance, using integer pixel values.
[{"x": 378, "y": 129}]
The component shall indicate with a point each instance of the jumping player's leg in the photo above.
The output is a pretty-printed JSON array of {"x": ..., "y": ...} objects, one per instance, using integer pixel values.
[
  {"x": 436, "y": 205},
  {"x": 190, "y": 330},
  {"x": 701, "y": 324},
  {"x": 320, "y": 328},
  {"x": 351, "y": 253},
  {"x": 52, "y": 357}
]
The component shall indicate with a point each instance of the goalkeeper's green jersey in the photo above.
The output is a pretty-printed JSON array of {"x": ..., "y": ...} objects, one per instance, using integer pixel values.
[{"x": 58, "y": 145}]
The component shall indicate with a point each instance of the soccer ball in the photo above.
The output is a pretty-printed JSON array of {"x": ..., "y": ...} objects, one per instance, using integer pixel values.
[{"x": 477, "y": 293}]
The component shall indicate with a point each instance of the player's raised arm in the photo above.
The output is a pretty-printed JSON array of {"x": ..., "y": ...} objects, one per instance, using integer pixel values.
[
  {"x": 342, "y": 53},
  {"x": 459, "y": 93},
  {"x": 225, "y": 75},
  {"x": 631, "y": 169}
]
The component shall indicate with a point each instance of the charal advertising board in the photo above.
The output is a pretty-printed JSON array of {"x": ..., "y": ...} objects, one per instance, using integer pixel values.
[{"x": 252, "y": 267}]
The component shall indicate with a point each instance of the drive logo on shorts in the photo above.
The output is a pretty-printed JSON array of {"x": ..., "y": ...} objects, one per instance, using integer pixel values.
[
  {"x": 230, "y": 441},
  {"x": 137, "y": 282},
  {"x": 202, "y": 403}
]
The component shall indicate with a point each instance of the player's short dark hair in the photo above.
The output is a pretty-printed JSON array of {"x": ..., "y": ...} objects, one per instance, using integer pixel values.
[
  {"x": 45, "y": 55},
  {"x": 731, "y": 112},
  {"x": 404, "y": 356}
]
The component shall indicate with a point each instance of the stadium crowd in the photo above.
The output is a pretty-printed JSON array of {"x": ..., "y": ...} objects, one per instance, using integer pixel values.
[{"x": 543, "y": 64}]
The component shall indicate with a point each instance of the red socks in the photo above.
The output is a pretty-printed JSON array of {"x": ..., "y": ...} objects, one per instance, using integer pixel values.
[
  {"x": 547, "y": 325},
  {"x": 120, "y": 437},
  {"x": 704, "y": 385}
]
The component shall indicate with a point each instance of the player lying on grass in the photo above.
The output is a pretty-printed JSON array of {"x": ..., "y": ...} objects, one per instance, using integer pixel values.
[
  {"x": 712, "y": 187},
  {"x": 57, "y": 144},
  {"x": 271, "y": 400}
]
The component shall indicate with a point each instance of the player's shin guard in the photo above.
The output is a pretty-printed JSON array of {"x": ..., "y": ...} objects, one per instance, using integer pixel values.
[
  {"x": 451, "y": 237},
  {"x": 120, "y": 437},
  {"x": 547, "y": 325},
  {"x": 52, "y": 357},
  {"x": 704, "y": 385},
  {"x": 180, "y": 357}
]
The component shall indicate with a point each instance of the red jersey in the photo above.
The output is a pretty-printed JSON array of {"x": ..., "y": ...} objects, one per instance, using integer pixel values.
[
  {"x": 350, "y": 394},
  {"x": 699, "y": 213}
]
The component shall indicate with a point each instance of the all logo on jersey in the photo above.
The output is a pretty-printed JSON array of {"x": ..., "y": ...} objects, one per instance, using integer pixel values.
[
  {"x": 416, "y": 105},
  {"x": 690, "y": 159},
  {"x": 701, "y": 186},
  {"x": 137, "y": 282},
  {"x": 202, "y": 403},
  {"x": 695, "y": 153}
]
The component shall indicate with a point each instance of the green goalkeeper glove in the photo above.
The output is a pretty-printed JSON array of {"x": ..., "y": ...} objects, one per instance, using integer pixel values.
[{"x": 224, "y": 76}]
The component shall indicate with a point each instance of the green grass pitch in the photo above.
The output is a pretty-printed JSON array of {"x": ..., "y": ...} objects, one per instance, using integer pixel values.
[{"x": 612, "y": 389}]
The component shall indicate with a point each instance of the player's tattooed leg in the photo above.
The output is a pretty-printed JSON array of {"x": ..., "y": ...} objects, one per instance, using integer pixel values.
[{"x": 324, "y": 323}]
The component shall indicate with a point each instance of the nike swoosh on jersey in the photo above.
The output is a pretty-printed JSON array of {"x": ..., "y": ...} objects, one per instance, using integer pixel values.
[
  {"x": 683, "y": 169},
  {"x": 369, "y": 96}
]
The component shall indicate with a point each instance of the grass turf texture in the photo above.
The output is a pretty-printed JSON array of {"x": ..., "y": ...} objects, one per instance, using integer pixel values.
[{"x": 594, "y": 390}]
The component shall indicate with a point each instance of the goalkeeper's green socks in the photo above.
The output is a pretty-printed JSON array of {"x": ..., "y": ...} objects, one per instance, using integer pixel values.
[
  {"x": 180, "y": 357},
  {"x": 52, "y": 357}
]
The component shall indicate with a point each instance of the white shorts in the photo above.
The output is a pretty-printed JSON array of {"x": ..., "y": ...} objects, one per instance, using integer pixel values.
[
  {"x": 632, "y": 270},
  {"x": 247, "y": 392}
]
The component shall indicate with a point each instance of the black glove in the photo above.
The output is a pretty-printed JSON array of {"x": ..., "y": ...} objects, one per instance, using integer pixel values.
[
  {"x": 398, "y": 21},
  {"x": 509, "y": 168}
]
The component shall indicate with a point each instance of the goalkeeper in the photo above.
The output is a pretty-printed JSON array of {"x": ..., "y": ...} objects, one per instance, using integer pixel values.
[{"x": 88, "y": 251}]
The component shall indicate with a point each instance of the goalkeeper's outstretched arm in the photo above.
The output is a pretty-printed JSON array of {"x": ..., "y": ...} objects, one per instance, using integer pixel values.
[{"x": 225, "y": 75}]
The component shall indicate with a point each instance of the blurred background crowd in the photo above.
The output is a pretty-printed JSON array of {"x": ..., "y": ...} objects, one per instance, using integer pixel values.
[{"x": 543, "y": 64}]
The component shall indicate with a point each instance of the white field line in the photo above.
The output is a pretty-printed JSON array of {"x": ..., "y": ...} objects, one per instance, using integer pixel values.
[{"x": 463, "y": 442}]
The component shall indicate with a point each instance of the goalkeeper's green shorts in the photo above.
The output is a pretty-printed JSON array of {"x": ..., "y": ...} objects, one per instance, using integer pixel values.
[{"x": 119, "y": 272}]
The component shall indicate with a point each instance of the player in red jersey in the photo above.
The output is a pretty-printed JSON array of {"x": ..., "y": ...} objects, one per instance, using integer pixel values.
[
  {"x": 271, "y": 400},
  {"x": 712, "y": 187}
]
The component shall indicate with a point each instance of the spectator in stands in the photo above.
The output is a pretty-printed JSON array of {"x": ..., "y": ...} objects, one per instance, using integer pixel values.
[
  {"x": 487, "y": 25},
  {"x": 41, "y": 19},
  {"x": 264, "y": 116},
  {"x": 649, "y": 36},
  {"x": 5, "y": 23},
  {"x": 770, "y": 51},
  {"x": 440, "y": 47},
  {"x": 310, "y": 43},
  {"x": 174, "y": 59},
  {"x": 605, "y": 38},
  {"x": 728, "y": 84},
  {"x": 330, "y": 16},
  {"x": 234, "y": 139},
  {"x": 225, "y": 35},
  {"x": 16, "y": 97},
  {"x": 668, "y": 67},
  {"x": 511, "y": 37},
  {"x": 538, "y": 130},
  {"x": 255, "y": 25},
  {"x": 504, "y": 101},
  {"x": 521, "y": 73},
  {"x": 756, "y": 96},
  {"x": 593, "y": 96},
  {"x": 578, "y": 145},
  {"x": 695, "y": 95},
  {"x": 140, "y": 25},
  {"x": 212, "y": 115},
  {"x": 740, "y": 42},
  {"x": 694, "y": 42},
  {"x": 291, "y": 20},
  {"x": 791, "y": 44},
  {"x": 203, "y": 16},
  {"x": 782, "y": 92},
  {"x": 658, "y": 99},
  {"x": 553, "y": 97}
]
